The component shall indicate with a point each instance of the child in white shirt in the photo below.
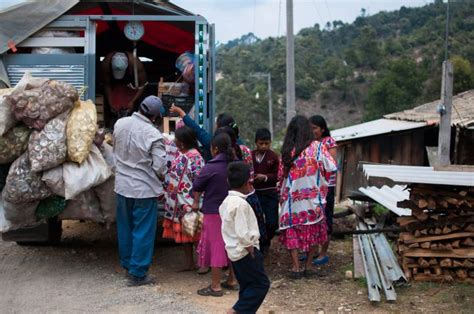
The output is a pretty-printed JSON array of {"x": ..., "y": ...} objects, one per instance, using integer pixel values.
[{"x": 240, "y": 234}]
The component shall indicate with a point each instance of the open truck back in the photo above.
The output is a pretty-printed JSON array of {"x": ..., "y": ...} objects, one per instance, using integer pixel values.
[{"x": 98, "y": 28}]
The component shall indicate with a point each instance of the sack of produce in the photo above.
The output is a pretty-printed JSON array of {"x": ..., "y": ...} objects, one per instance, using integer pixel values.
[
  {"x": 82, "y": 177},
  {"x": 53, "y": 178},
  {"x": 14, "y": 143},
  {"x": 24, "y": 185},
  {"x": 19, "y": 215},
  {"x": 7, "y": 118},
  {"x": 50, "y": 207},
  {"x": 35, "y": 107},
  {"x": 107, "y": 199},
  {"x": 81, "y": 129},
  {"x": 108, "y": 154},
  {"x": 47, "y": 148},
  {"x": 84, "y": 207}
]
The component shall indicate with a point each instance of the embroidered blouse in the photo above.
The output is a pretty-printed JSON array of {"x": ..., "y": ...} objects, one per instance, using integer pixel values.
[
  {"x": 331, "y": 176},
  {"x": 303, "y": 190}
]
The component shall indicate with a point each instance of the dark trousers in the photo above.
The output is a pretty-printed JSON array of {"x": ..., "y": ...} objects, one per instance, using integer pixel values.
[
  {"x": 253, "y": 282},
  {"x": 329, "y": 209},
  {"x": 136, "y": 229},
  {"x": 269, "y": 202}
]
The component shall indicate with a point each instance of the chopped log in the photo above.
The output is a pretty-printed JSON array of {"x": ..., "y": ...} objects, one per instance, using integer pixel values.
[
  {"x": 433, "y": 261},
  {"x": 448, "y": 246},
  {"x": 424, "y": 231},
  {"x": 443, "y": 204},
  {"x": 408, "y": 238},
  {"x": 438, "y": 231},
  {"x": 461, "y": 273},
  {"x": 408, "y": 273},
  {"x": 431, "y": 203},
  {"x": 467, "y": 242},
  {"x": 452, "y": 200},
  {"x": 405, "y": 221},
  {"x": 455, "y": 253},
  {"x": 469, "y": 228},
  {"x": 419, "y": 214},
  {"x": 456, "y": 244},
  {"x": 438, "y": 271},
  {"x": 468, "y": 264},
  {"x": 446, "y": 230},
  {"x": 446, "y": 262},
  {"x": 408, "y": 260},
  {"x": 442, "y": 246},
  {"x": 427, "y": 271},
  {"x": 457, "y": 263},
  {"x": 462, "y": 193},
  {"x": 417, "y": 233},
  {"x": 455, "y": 228},
  {"x": 434, "y": 246},
  {"x": 423, "y": 262},
  {"x": 431, "y": 231},
  {"x": 414, "y": 245},
  {"x": 471, "y": 274},
  {"x": 425, "y": 245},
  {"x": 415, "y": 271}
]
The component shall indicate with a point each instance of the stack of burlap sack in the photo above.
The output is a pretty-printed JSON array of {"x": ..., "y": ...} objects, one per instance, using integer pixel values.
[{"x": 50, "y": 164}]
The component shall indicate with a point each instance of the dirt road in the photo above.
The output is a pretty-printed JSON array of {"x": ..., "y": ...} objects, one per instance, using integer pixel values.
[{"x": 82, "y": 275}]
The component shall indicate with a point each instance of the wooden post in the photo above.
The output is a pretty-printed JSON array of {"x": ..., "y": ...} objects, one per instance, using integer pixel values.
[{"x": 444, "y": 139}]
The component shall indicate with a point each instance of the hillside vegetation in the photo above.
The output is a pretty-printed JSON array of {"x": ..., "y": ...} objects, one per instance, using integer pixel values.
[{"x": 349, "y": 72}]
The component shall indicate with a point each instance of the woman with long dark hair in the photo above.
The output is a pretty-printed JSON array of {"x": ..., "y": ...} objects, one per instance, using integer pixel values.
[
  {"x": 303, "y": 193},
  {"x": 321, "y": 133},
  {"x": 212, "y": 181},
  {"x": 179, "y": 200}
]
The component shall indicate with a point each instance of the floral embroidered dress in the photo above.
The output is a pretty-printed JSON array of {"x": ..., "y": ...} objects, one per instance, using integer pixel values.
[
  {"x": 303, "y": 193},
  {"x": 183, "y": 170}
]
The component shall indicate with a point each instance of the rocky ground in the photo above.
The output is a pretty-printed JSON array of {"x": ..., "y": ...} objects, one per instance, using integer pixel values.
[{"x": 82, "y": 275}]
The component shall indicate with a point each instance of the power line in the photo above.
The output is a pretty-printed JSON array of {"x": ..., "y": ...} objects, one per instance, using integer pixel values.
[
  {"x": 329, "y": 11},
  {"x": 317, "y": 11},
  {"x": 446, "y": 38},
  {"x": 254, "y": 15}
]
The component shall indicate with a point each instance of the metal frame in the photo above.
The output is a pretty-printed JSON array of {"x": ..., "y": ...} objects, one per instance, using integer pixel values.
[{"x": 157, "y": 18}]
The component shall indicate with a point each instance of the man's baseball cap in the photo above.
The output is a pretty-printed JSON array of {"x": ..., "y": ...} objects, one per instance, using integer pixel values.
[
  {"x": 119, "y": 65},
  {"x": 152, "y": 106}
]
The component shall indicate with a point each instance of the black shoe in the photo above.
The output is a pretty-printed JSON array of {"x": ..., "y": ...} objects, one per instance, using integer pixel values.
[{"x": 137, "y": 281}]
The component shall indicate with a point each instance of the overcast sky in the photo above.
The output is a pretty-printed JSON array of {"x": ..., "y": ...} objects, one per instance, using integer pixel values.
[{"x": 264, "y": 18}]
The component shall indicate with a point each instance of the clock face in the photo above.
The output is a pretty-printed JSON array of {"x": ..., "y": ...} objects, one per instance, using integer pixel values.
[{"x": 134, "y": 30}]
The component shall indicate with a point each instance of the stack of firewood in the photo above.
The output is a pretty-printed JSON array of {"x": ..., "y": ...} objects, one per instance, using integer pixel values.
[{"x": 437, "y": 241}]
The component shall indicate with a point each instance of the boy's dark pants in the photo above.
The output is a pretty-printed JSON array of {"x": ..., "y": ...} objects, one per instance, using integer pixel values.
[
  {"x": 253, "y": 281},
  {"x": 269, "y": 202}
]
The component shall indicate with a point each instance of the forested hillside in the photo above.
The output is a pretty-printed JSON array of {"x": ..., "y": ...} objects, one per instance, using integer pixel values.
[{"x": 349, "y": 72}]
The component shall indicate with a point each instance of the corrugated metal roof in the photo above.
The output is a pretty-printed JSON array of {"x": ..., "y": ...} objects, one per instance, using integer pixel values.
[
  {"x": 389, "y": 197},
  {"x": 414, "y": 174},
  {"x": 462, "y": 112},
  {"x": 376, "y": 127}
]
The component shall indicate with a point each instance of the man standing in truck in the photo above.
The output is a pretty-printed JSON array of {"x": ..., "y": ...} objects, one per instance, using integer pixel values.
[
  {"x": 124, "y": 80},
  {"x": 140, "y": 156}
]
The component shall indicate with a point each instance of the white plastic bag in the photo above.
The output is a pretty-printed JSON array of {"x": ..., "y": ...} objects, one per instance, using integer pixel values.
[
  {"x": 24, "y": 185},
  {"x": 81, "y": 129},
  {"x": 47, "y": 148},
  {"x": 79, "y": 178},
  {"x": 107, "y": 199},
  {"x": 84, "y": 207},
  {"x": 53, "y": 178}
]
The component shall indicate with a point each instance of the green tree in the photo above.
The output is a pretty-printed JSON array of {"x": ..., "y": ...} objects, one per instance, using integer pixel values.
[{"x": 463, "y": 75}]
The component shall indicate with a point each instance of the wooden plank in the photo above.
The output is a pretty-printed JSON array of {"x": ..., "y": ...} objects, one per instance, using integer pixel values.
[
  {"x": 408, "y": 238},
  {"x": 455, "y": 253},
  {"x": 358, "y": 264}
]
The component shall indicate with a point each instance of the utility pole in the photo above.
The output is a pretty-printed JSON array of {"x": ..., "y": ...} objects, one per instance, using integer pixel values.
[
  {"x": 290, "y": 63},
  {"x": 444, "y": 109},
  {"x": 270, "y": 103}
]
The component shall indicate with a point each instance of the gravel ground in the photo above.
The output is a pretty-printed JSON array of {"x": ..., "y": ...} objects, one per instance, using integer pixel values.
[{"x": 83, "y": 275}]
